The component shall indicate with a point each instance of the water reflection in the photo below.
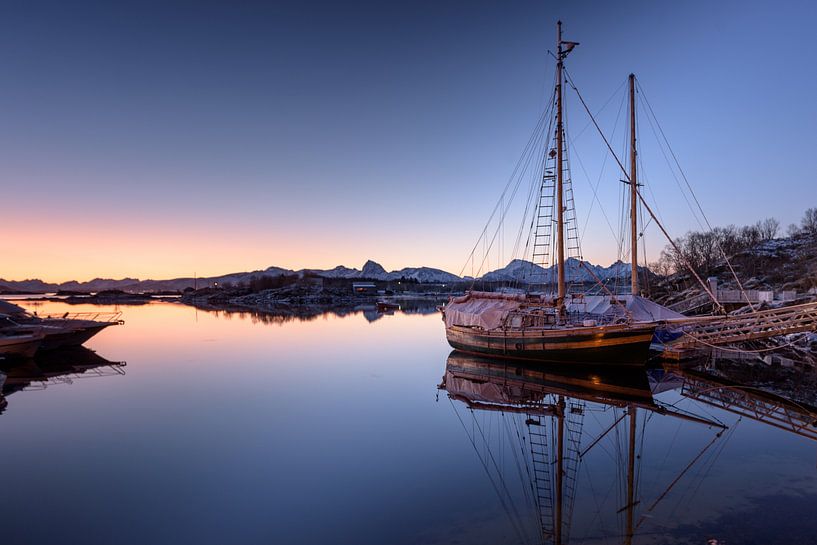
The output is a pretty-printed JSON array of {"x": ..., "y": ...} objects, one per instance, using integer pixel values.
[
  {"x": 54, "y": 367},
  {"x": 782, "y": 396},
  {"x": 542, "y": 428},
  {"x": 328, "y": 431},
  {"x": 307, "y": 313}
]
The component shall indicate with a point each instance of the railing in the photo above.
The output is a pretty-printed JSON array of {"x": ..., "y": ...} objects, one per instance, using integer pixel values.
[
  {"x": 747, "y": 327},
  {"x": 107, "y": 317}
]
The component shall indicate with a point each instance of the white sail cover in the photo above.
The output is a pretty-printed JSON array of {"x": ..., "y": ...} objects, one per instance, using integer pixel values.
[
  {"x": 489, "y": 310},
  {"x": 483, "y": 309},
  {"x": 641, "y": 309}
]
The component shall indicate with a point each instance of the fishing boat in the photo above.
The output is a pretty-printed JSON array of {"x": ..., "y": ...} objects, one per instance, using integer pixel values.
[{"x": 557, "y": 326}]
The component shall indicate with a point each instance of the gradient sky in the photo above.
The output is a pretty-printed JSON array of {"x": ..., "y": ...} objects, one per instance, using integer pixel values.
[{"x": 162, "y": 139}]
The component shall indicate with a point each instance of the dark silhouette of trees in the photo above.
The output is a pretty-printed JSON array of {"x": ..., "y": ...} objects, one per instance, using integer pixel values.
[
  {"x": 703, "y": 250},
  {"x": 266, "y": 282},
  {"x": 809, "y": 222}
]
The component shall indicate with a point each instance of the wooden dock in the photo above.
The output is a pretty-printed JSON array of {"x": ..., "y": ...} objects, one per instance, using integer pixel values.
[{"x": 700, "y": 335}]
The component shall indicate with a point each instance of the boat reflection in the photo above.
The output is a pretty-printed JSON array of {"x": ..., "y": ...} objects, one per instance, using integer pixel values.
[
  {"x": 543, "y": 410},
  {"x": 55, "y": 367}
]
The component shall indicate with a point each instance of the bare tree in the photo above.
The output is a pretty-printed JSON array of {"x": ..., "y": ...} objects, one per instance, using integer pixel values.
[
  {"x": 809, "y": 222},
  {"x": 662, "y": 267},
  {"x": 768, "y": 228}
]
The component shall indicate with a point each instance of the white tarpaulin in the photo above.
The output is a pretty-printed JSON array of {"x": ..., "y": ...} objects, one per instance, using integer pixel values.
[
  {"x": 641, "y": 309},
  {"x": 489, "y": 310},
  {"x": 486, "y": 310}
]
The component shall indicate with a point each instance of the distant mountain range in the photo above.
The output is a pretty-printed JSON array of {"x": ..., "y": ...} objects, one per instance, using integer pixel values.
[{"x": 517, "y": 270}]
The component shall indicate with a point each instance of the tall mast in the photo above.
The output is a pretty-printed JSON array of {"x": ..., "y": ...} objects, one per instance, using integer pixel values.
[
  {"x": 560, "y": 224},
  {"x": 557, "y": 523},
  {"x": 633, "y": 193}
]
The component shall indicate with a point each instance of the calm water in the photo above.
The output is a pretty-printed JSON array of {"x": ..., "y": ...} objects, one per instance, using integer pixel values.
[{"x": 222, "y": 428}]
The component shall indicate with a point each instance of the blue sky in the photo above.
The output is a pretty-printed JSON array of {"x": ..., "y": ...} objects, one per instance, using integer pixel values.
[{"x": 162, "y": 139}]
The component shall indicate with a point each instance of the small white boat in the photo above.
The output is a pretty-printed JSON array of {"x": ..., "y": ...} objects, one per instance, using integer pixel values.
[
  {"x": 20, "y": 344},
  {"x": 69, "y": 329}
]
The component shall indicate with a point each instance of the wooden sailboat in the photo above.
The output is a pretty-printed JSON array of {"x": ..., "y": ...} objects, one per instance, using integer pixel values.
[{"x": 534, "y": 327}]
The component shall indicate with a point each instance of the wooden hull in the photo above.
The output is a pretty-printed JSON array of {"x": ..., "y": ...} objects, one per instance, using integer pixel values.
[
  {"x": 521, "y": 382},
  {"x": 598, "y": 345}
]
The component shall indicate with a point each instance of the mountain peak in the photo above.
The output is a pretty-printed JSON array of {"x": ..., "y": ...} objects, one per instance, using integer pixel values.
[{"x": 372, "y": 269}]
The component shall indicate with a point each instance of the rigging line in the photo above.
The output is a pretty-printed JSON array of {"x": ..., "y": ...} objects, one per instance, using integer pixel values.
[
  {"x": 643, "y": 235},
  {"x": 504, "y": 212},
  {"x": 601, "y": 175},
  {"x": 675, "y": 481},
  {"x": 532, "y": 193},
  {"x": 671, "y": 169},
  {"x": 641, "y": 197},
  {"x": 641, "y": 450},
  {"x": 519, "y": 534},
  {"x": 537, "y": 187},
  {"x": 516, "y": 459},
  {"x": 536, "y": 219},
  {"x": 525, "y": 153},
  {"x": 717, "y": 455},
  {"x": 695, "y": 197},
  {"x": 620, "y": 477},
  {"x": 521, "y": 438},
  {"x": 513, "y": 195},
  {"x": 594, "y": 495},
  {"x": 595, "y": 200},
  {"x": 603, "y": 107},
  {"x": 601, "y": 444},
  {"x": 644, "y": 179},
  {"x": 526, "y": 157},
  {"x": 499, "y": 474},
  {"x": 696, "y": 480},
  {"x": 675, "y": 158}
]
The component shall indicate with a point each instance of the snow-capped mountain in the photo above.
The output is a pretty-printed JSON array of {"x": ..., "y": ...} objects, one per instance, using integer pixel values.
[
  {"x": 424, "y": 274},
  {"x": 517, "y": 270},
  {"x": 374, "y": 271},
  {"x": 523, "y": 271}
]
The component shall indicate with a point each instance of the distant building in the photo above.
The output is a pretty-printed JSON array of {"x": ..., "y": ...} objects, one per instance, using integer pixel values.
[{"x": 364, "y": 287}]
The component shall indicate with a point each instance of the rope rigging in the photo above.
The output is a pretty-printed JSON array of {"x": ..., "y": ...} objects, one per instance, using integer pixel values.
[
  {"x": 703, "y": 284},
  {"x": 694, "y": 196}
]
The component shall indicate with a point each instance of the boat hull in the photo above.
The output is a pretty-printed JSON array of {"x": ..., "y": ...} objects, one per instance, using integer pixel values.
[
  {"x": 22, "y": 346},
  {"x": 60, "y": 337},
  {"x": 618, "y": 345}
]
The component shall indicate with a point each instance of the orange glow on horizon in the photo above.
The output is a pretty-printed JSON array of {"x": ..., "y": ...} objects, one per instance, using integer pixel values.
[{"x": 60, "y": 248}]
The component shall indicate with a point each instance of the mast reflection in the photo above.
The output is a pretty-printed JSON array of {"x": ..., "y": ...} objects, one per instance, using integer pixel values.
[{"x": 543, "y": 411}]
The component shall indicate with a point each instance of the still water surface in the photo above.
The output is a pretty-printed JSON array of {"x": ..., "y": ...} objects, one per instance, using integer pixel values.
[{"x": 223, "y": 428}]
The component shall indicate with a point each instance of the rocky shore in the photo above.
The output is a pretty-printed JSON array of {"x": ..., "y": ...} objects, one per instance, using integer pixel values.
[{"x": 306, "y": 300}]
